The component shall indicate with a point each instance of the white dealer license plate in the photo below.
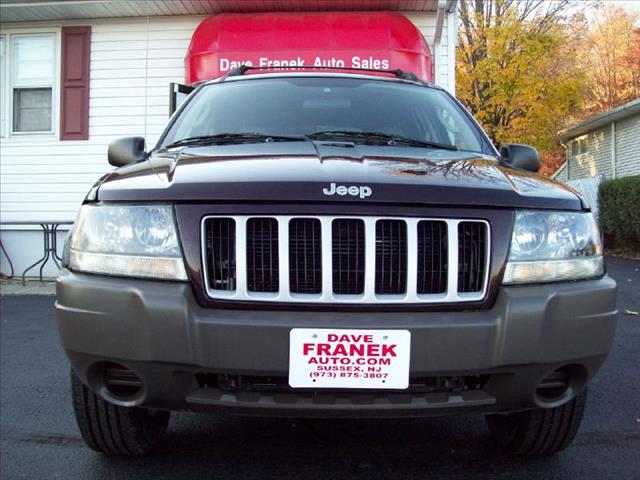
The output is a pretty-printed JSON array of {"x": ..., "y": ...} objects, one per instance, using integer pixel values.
[{"x": 328, "y": 358}]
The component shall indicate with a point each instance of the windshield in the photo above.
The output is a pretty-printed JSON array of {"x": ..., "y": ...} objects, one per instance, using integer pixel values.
[{"x": 302, "y": 106}]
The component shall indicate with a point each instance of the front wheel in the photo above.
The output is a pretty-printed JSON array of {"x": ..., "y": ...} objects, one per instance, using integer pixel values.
[
  {"x": 543, "y": 431},
  {"x": 112, "y": 429}
]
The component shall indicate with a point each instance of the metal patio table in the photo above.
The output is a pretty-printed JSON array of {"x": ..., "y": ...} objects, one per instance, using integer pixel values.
[{"x": 50, "y": 243}]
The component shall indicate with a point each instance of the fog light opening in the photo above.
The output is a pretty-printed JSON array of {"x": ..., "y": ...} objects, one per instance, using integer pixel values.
[
  {"x": 555, "y": 385},
  {"x": 561, "y": 385},
  {"x": 118, "y": 381}
]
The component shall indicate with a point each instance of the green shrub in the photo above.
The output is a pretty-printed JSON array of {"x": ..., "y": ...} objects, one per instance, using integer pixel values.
[{"x": 620, "y": 213}]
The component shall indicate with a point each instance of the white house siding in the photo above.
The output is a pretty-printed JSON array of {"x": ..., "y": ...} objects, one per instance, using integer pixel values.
[
  {"x": 44, "y": 179},
  {"x": 597, "y": 159},
  {"x": 132, "y": 63},
  {"x": 441, "y": 53},
  {"x": 628, "y": 147}
]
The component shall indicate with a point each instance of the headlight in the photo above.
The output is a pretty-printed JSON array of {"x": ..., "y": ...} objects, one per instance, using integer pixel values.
[
  {"x": 135, "y": 241},
  {"x": 549, "y": 247}
]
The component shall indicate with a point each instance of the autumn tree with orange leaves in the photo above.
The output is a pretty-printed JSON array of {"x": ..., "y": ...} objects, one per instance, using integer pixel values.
[
  {"x": 610, "y": 59},
  {"x": 528, "y": 68},
  {"x": 515, "y": 71}
]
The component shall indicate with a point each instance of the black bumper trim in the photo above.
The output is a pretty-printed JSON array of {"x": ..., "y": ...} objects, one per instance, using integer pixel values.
[{"x": 308, "y": 403}]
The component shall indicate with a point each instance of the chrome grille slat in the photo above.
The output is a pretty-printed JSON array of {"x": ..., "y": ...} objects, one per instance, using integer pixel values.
[
  {"x": 452, "y": 264},
  {"x": 409, "y": 276},
  {"x": 241, "y": 257},
  {"x": 326, "y": 234},
  {"x": 283, "y": 255},
  {"x": 370, "y": 260},
  {"x": 412, "y": 266}
]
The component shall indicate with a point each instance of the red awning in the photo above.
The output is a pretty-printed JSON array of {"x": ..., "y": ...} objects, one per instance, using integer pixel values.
[{"x": 379, "y": 40}]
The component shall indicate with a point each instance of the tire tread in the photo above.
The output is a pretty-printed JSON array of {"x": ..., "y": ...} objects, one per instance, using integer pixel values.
[
  {"x": 541, "y": 431},
  {"x": 113, "y": 429}
]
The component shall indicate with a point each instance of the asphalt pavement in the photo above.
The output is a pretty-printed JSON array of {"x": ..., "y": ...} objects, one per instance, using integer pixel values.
[{"x": 39, "y": 438}]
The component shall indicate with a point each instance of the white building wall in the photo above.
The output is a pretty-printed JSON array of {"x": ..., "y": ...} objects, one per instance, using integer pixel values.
[
  {"x": 597, "y": 159},
  {"x": 628, "y": 147},
  {"x": 132, "y": 63},
  {"x": 44, "y": 179},
  {"x": 444, "y": 53}
]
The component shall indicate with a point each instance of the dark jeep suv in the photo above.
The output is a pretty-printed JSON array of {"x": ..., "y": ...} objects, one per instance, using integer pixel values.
[{"x": 306, "y": 244}]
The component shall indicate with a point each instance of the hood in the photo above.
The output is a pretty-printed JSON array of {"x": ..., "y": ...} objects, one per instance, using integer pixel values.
[{"x": 332, "y": 172}]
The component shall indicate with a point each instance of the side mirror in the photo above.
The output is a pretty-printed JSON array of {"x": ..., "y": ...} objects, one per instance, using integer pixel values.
[
  {"x": 521, "y": 156},
  {"x": 124, "y": 151}
]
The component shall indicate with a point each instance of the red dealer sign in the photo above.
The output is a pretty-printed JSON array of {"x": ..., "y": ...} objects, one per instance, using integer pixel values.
[{"x": 378, "y": 40}]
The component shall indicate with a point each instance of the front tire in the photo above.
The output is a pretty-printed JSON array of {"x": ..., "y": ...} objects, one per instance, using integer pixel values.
[
  {"x": 112, "y": 429},
  {"x": 539, "y": 432}
]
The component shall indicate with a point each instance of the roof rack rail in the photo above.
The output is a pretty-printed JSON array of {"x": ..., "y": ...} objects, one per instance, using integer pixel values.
[{"x": 242, "y": 69}]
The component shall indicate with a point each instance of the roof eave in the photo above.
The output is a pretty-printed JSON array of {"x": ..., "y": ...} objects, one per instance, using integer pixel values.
[
  {"x": 600, "y": 120},
  {"x": 19, "y": 11}
]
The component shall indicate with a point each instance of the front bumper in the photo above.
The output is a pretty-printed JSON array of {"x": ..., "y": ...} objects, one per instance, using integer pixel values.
[{"x": 158, "y": 330}]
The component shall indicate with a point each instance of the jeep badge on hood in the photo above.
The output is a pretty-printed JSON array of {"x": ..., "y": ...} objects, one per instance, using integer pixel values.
[{"x": 353, "y": 190}]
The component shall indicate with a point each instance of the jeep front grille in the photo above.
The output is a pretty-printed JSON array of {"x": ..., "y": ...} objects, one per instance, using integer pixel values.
[
  {"x": 220, "y": 241},
  {"x": 305, "y": 256},
  {"x": 262, "y": 255},
  {"x": 391, "y": 257},
  {"x": 432, "y": 256},
  {"x": 348, "y": 257},
  {"x": 325, "y": 259},
  {"x": 471, "y": 256}
]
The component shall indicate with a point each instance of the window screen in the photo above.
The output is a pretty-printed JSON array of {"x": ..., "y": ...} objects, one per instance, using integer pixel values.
[
  {"x": 575, "y": 148},
  {"x": 33, "y": 71},
  {"x": 32, "y": 109}
]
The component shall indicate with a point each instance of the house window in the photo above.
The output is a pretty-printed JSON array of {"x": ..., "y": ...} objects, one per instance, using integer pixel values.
[
  {"x": 32, "y": 82},
  {"x": 575, "y": 148},
  {"x": 579, "y": 146},
  {"x": 584, "y": 145}
]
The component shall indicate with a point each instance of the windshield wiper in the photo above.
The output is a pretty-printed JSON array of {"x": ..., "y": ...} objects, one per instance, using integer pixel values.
[
  {"x": 234, "y": 137},
  {"x": 387, "y": 138}
]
